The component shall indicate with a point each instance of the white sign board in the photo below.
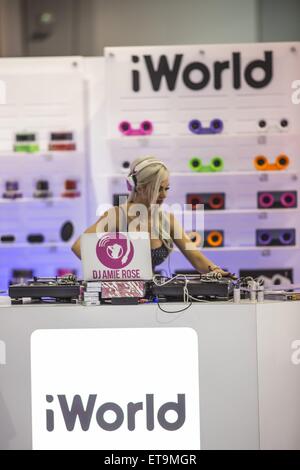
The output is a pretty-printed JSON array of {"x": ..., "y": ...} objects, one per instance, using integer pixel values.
[
  {"x": 115, "y": 389},
  {"x": 164, "y": 88}
]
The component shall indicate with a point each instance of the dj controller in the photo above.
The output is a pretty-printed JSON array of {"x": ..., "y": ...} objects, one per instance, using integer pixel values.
[
  {"x": 196, "y": 287},
  {"x": 159, "y": 289},
  {"x": 60, "y": 289}
]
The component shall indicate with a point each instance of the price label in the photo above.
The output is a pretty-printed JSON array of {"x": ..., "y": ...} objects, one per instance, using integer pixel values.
[
  {"x": 264, "y": 177},
  {"x": 262, "y": 139},
  {"x": 143, "y": 142},
  {"x": 48, "y": 157},
  {"x": 263, "y": 216}
]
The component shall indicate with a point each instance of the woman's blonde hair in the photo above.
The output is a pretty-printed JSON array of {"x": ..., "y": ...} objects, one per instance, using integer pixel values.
[{"x": 150, "y": 176}]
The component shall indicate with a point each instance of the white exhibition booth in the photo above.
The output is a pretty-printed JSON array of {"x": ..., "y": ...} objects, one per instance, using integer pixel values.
[{"x": 217, "y": 375}]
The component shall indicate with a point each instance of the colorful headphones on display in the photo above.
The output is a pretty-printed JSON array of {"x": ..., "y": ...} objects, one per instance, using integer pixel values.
[
  {"x": 276, "y": 237},
  {"x": 282, "y": 125},
  {"x": 215, "y": 127},
  {"x": 262, "y": 163},
  {"x": 276, "y": 199},
  {"x": 195, "y": 237},
  {"x": 146, "y": 128},
  {"x": 212, "y": 238},
  {"x": 215, "y": 164},
  {"x": 131, "y": 180},
  {"x": 211, "y": 201}
]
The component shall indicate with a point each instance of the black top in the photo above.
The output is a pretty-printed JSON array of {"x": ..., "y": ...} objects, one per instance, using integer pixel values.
[{"x": 158, "y": 255}]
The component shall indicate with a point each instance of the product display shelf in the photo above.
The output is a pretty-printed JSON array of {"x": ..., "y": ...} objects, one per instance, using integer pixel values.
[
  {"x": 261, "y": 175},
  {"x": 266, "y": 249},
  {"x": 33, "y": 246},
  {"x": 40, "y": 200}
]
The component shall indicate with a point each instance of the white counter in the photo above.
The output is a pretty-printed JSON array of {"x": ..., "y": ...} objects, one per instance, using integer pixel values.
[{"x": 249, "y": 372}]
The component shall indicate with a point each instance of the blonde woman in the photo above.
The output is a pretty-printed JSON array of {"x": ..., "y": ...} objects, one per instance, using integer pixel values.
[{"x": 148, "y": 183}]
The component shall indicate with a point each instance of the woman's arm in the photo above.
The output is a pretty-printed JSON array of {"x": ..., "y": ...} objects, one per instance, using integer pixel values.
[
  {"x": 76, "y": 245},
  {"x": 200, "y": 262},
  {"x": 109, "y": 221}
]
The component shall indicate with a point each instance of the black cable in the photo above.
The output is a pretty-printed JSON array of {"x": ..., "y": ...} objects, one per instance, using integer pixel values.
[{"x": 174, "y": 311}]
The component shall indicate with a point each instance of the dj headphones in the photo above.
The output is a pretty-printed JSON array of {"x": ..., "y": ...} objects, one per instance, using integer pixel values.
[{"x": 131, "y": 178}]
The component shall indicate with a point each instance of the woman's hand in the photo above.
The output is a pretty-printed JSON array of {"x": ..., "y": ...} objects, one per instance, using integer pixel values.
[
  {"x": 192, "y": 252},
  {"x": 217, "y": 269}
]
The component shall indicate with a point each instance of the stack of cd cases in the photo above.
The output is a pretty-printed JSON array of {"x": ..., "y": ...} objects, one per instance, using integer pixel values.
[{"x": 92, "y": 293}]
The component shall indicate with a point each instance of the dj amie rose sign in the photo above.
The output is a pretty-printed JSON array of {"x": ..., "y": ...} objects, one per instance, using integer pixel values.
[{"x": 115, "y": 251}]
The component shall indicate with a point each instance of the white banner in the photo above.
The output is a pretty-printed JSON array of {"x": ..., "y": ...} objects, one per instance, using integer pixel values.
[
  {"x": 159, "y": 90},
  {"x": 115, "y": 389}
]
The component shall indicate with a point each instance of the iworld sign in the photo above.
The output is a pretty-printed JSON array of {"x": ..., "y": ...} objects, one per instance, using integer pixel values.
[
  {"x": 197, "y": 74},
  {"x": 115, "y": 389},
  {"x": 77, "y": 409}
]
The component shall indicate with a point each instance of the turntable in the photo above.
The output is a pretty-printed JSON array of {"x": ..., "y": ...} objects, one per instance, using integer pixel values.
[
  {"x": 61, "y": 289},
  {"x": 199, "y": 286}
]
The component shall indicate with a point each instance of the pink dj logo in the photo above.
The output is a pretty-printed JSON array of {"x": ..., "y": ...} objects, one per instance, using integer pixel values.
[{"x": 114, "y": 250}]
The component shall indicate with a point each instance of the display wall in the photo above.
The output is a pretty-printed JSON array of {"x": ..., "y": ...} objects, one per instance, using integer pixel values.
[
  {"x": 210, "y": 112},
  {"x": 223, "y": 120},
  {"x": 43, "y": 167}
]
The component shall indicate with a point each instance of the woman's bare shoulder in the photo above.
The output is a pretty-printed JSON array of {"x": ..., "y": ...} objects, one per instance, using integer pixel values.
[
  {"x": 112, "y": 211},
  {"x": 108, "y": 221}
]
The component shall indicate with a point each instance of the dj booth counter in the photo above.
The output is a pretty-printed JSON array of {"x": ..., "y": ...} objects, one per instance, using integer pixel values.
[{"x": 248, "y": 365}]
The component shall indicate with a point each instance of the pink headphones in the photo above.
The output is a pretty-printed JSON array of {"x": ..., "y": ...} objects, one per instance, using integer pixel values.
[{"x": 131, "y": 178}]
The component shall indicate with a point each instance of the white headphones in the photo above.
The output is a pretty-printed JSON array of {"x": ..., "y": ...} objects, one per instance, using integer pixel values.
[{"x": 131, "y": 178}]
